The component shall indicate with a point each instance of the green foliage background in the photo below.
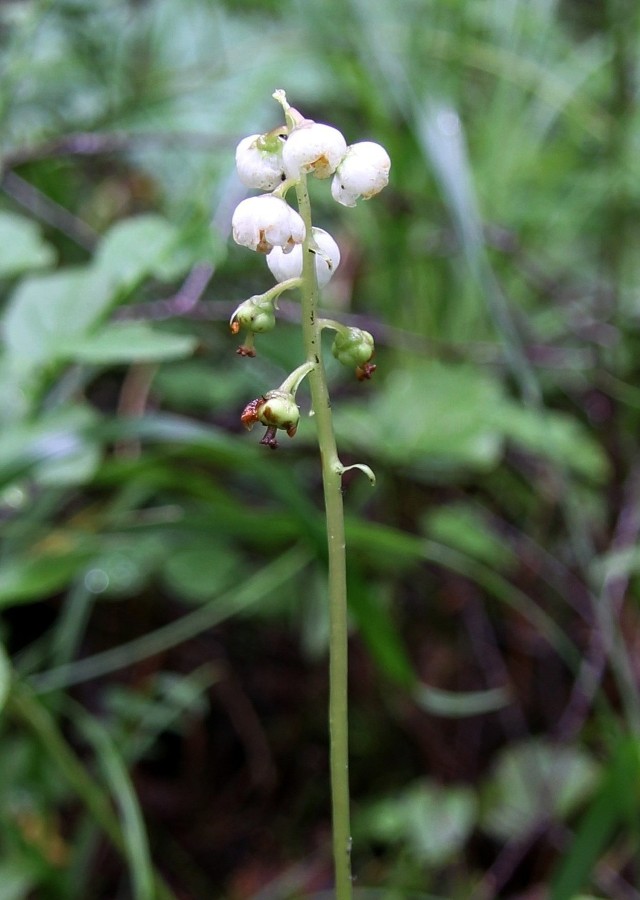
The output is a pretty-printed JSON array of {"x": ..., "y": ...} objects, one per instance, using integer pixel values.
[{"x": 163, "y": 678}]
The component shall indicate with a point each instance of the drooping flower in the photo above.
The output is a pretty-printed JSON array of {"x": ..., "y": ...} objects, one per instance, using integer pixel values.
[
  {"x": 259, "y": 160},
  {"x": 313, "y": 148},
  {"x": 363, "y": 172},
  {"x": 289, "y": 265},
  {"x": 264, "y": 222}
]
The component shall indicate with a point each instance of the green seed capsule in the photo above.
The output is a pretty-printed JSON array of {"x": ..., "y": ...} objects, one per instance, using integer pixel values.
[
  {"x": 256, "y": 315},
  {"x": 279, "y": 410},
  {"x": 353, "y": 347}
]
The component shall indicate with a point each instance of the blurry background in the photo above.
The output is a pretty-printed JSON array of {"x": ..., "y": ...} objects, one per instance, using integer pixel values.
[{"x": 162, "y": 575}]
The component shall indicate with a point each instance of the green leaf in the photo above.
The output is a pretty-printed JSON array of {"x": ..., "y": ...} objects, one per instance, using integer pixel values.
[
  {"x": 17, "y": 878},
  {"x": 436, "y": 418},
  {"x": 195, "y": 385},
  {"x": 555, "y": 436},
  {"x": 532, "y": 781},
  {"x": 127, "y": 342},
  {"x": 615, "y": 803},
  {"x": 203, "y": 569},
  {"x": 59, "y": 447},
  {"x": 444, "y": 417},
  {"x": 53, "y": 318},
  {"x": 34, "y": 577},
  {"x": 432, "y": 821},
  {"x": 137, "y": 248},
  {"x": 125, "y": 562},
  {"x": 464, "y": 528},
  {"x": 21, "y": 246},
  {"x": 47, "y": 312}
]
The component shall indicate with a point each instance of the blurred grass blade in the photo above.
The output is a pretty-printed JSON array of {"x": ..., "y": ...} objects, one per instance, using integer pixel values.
[
  {"x": 614, "y": 805},
  {"x": 379, "y": 632},
  {"x": 179, "y": 699},
  {"x": 5, "y": 677},
  {"x": 454, "y": 705},
  {"x": 238, "y": 599},
  {"x": 439, "y": 132},
  {"x": 394, "y": 544},
  {"x": 34, "y": 715},
  {"x": 134, "y": 835}
]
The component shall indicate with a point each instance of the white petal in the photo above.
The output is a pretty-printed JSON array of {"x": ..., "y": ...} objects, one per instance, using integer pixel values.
[
  {"x": 289, "y": 265},
  {"x": 264, "y": 222},
  {"x": 258, "y": 168},
  {"x": 315, "y": 148},
  {"x": 363, "y": 172}
]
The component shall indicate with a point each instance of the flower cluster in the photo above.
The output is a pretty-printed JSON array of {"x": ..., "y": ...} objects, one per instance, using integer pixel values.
[{"x": 273, "y": 163}]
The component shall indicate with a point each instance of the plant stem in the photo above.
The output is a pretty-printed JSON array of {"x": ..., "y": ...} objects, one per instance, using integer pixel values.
[{"x": 338, "y": 635}]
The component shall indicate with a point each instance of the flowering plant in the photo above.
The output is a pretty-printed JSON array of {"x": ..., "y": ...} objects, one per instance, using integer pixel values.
[{"x": 304, "y": 257}]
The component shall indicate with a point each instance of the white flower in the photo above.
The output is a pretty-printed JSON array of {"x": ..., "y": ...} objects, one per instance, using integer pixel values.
[
  {"x": 363, "y": 172},
  {"x": 259, "y": 161},
  {"x": 264, "y": 222},
  {"x": 313, "y": 147},
  {"x": 289, "y": 265}
]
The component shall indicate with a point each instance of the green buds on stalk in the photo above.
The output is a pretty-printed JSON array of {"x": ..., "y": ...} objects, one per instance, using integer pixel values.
[
  {"x": 256, "y": 315},
  {"x": 354, "y": 347}
]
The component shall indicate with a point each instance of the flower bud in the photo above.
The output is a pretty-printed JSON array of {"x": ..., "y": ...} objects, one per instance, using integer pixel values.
[
  {"x": 259, "y": 161},
  {"x": 255, "y": 314},
  {"x": 313, "y": 148},
  {"x": 354, "y": 347},
  {"x": 363, "y": 172},
  {"x": 289, "y": 265},
  {"x": 264, "y": 222}
]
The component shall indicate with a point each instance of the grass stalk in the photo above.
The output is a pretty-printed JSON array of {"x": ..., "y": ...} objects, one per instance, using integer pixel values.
[
  {"x": 26, "y": 708},
  {"x": 334, "y": 512}
]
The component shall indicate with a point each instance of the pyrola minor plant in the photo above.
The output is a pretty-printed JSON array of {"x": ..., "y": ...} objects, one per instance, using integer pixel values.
[{"x": 303, "y": 257}]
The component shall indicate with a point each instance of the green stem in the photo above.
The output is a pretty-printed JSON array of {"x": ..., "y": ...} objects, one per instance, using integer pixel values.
[
  {"x": 332, "y": 482},
  {"x": 331, "y": 324},
  {"x": 273, "y": 293}
]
